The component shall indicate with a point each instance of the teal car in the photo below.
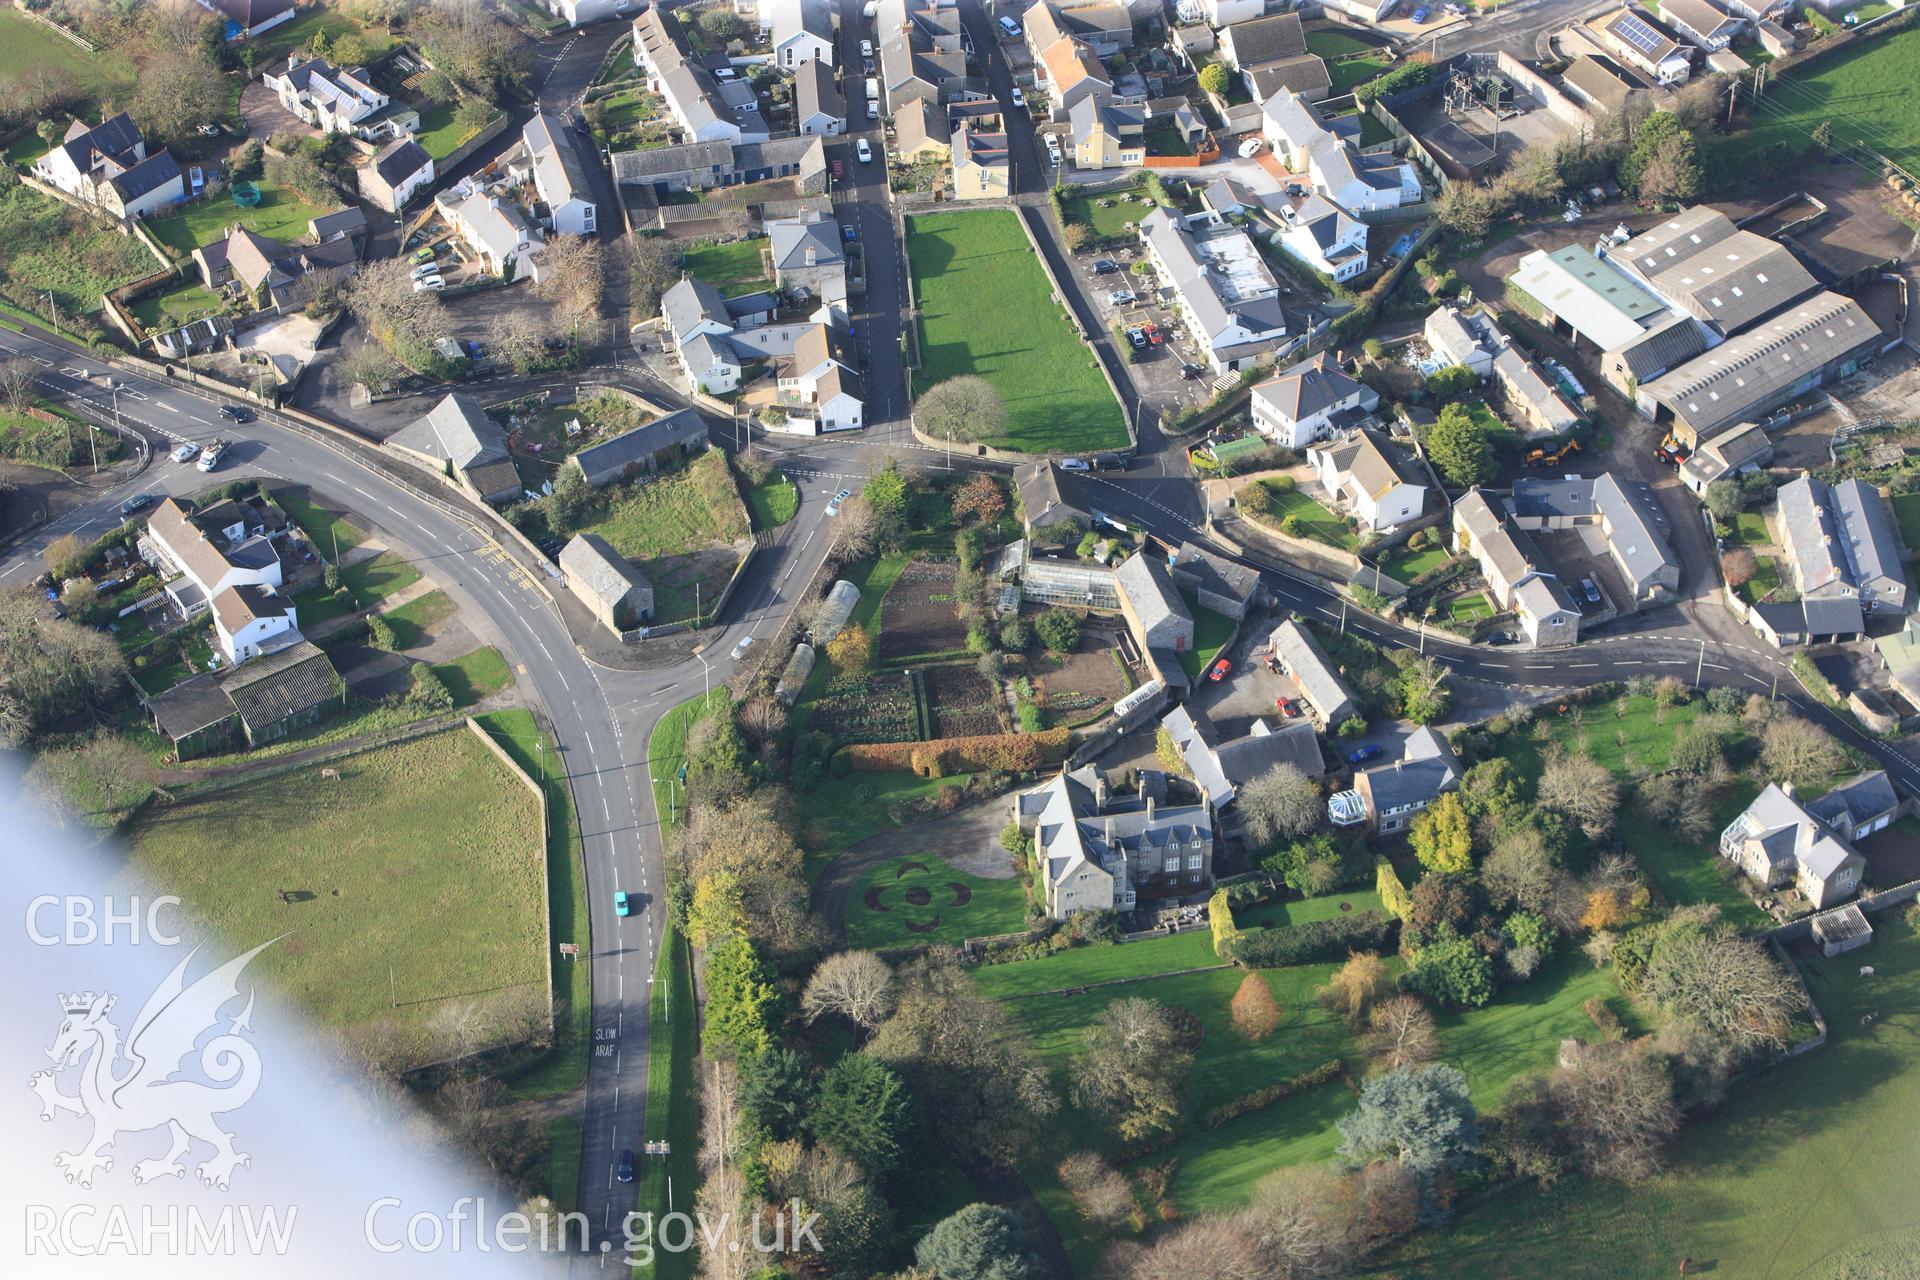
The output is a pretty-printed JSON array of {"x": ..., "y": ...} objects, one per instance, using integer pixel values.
[{"x": 620, "y": 905}]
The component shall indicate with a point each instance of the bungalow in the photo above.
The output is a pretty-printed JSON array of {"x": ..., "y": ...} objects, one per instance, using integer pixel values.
[
  {"x": 1708, "y": 26},
  {"x": 1508, "y": 561},
  {"x": 1220, "y": 768},
  {"x": 1597, "y": 81},
  {"x": 1327, "y": 238},
  {"x": 1311, "y": 401},
  {"x": 397, "y": 171},
  {"x": 1858, "y": 807},
  {"x": 819, "y": 106},
  {"x": 456, "y": 437},
  {"x": 616, "y": 593},
  {"x": 1096, "y": 852},
  {"x": 560, "y": 175},
  {"x": 1778, "y": 841},
  {"x": 496, "y": 233},
  {"x": 329, "y": 98},
  {"x": 1219, "y": 584},
  {"x": 270, "y": 272},
  {"x": 1271, "y": 56},
  {"x": 253, "y": 619},
  {"x": 644, "y": 449},
  {"x": 1295, "y": 651},
  {"x": 1391, "y": 795},
  {"x": 1369, "y": 479}
]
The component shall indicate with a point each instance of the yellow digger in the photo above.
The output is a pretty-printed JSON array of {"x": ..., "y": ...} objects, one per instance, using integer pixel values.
[{"x": 1541, "y": 458}]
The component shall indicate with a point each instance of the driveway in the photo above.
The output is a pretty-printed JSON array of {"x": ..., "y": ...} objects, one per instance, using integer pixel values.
[
  {"x": 968, "y": 840},
  {"x": 262, "y": 116}
]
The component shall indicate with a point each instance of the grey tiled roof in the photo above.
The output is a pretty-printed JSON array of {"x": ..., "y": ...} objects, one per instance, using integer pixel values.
[
  {"x": 603, "y": 572},
  {"x": 608, "y": 461},
  {"x": 274, "y": 686},
  {"x": 458, "y": 431},
  {"x": 1864, "y": 796},
  {"x": 1149, "y": 591},
  {"x": 686, "y": 304}
]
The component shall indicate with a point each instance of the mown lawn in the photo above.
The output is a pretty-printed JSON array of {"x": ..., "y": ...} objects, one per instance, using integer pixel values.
[
  {"x": 1314, "y": 520},
  {"x": 986, "y": 308},
  {"x": 411, "y": 620},
  {"x": 1111, "y": 213},
  {"x": 1406, "y": 564},
  {"x": 1906, "y": 510},
  {"x": 1866, "y": 93},
  {"x": 737, "y": 267},
  {"x": 1806, "y": 1171},
  {"x": 282, "y": 213},
  {"x": 1470, "y": 608},
  {"x": 837, "y": 817},
  {"x": 1211, "y": 631},
  {"x": 383, "y": 863},
  {"x": 1354, "y": 72},
  {"x": 472, "y": 676},
  {"x": 1750, "y": 527},
  {"x": 176, "y": 306},
  {"x": 440, "y": 132},
  {"x": 921, "y": 900},
  {"x": 775, "y": 502}
]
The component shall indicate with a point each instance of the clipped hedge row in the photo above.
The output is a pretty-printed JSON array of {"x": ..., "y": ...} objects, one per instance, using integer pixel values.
[
  {"x": 1265, "y": 1096},
  {"x": 1393, "y": 894},
  {"x": 1329, "y": 939},
  {"x": 1005, "y": 752},
  {"x": 1225, "y": 931}
]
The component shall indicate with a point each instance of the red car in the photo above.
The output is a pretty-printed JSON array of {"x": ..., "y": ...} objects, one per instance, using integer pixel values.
[
  {"x": 1220, "y": 670},
  {"x": 839, "y": 170},
  {"x": 1154, "y": 335},
  {"x": 1287, "y": 707}
]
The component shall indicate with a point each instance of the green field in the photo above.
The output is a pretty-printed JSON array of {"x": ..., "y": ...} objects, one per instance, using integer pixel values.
[
  {"x": 986, "y": 308},
  {"x": 678, "y": 529},
  {"x": 992, "y": 906},
  {"x": 383, "y": 865},
  {"x": 737, "y": 267},
  {"x": 282, "y": 213},
  {"x": 1865, "y": 92},
  {"x": 775, "y": 502},
  {"x": 50, "y": 246},
  {"x": 1906, "y": 510},
  {"x": 1806, "y": 1172},
  {"x": 107, "y": 76},
  {"x": 472, "y": 676},
  {"x": 563, "y": 1162},
  {"x": 173, "y": 307}
]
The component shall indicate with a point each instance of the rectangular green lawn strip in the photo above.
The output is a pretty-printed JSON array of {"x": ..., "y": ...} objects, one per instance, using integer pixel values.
[
  {"x": 673, "y": 1111},
  {"x": 1349, "y": 75},
  {"x": 1750, "y": 527},
  {"x": 1470, "y": 608},
  {"x": 411, "y": 620},
  {"x": 1210, "y": 634},
  {"x": 736, "y": 267},
  {"x": 176, "y": 306},
  {"x": 986, "y": 308},
  {"x": 1117, "y": 217},
  {"x": 333, "y": 535},
  {"x": 392, "y": 857},
  {"x": 775, "y": 502},
  {"x": 282, "y": 213},
  {"x": 992, "y": 907},
  {"x": 376, "y": 579},
  {"x": 563, "y": 1162},
  {"x": 667, "y": 753},
  {"x": 836, "y": 818},
  {"x": 1315, "y": 521},
  {"x": 1405, "y": 565},
  {"x": 472, "y": 676},
  {"x": 51, "y": 246}
]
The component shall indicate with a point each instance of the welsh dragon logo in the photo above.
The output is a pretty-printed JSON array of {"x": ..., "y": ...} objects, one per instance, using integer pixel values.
[{"x": 132, "y": 1087}]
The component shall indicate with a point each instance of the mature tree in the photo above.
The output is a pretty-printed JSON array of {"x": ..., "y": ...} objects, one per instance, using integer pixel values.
[
  {"x": 1582, "y": 789},
  {"x": 751, "y": 838},
  {"x": 1219, "y": 1248},
  {"x": 1441, "y": 903},
  {"x": 473, "y": 45},
  {"x": 777, "y": 1091},
  {"x": 1616, "y": 1106},
  {"x": 856, "y": 531},
  {"x": 1059, "y": 631},
  {"x": 980, "y": 500},
  {"x": 118, "y": 769},
  {"x": 1442, "y": 836},
  {"x": 1420, "y": 1117},
  {"x": 851, "y": 650},
  {"x": 887, "y": 494},
  {"x": 573, "y": 279},
  {"x": 1452, "y": 971},
  {"x": 51, "y": 670},
  {"x": 1524, "y": 870},
  {"x": 961, "y": 409},
  {"x": 1490, "y": 789},
  {"x": 1213, "y": 78},
  {"x": 1422, "y": 686},
  {"x": 1254, "y": 1011},
  {"x": 180, "y": 89},
  {"x": 742, "y": 1001},
  {"x": 1135, "y": 1069},
  {"x": 652, "y": 264},
  {"x": 17, "y": 390},
  {"x": 1280, "y": 803},
  {"x": 1467, "y": 209},
  {"x": 1724, "y": 499},
  {"x": 721, "y": 24},
  {"x": 1652, "y": 134},
  {"x": 1401, "y": 1033},
  {"x": 863, "y": 1110},
  {"x": 980, "y": 1242},
  {"x": 382, "y": 297},
  {"x": 1460, "y": 448},
  {"x": 856, "y": 985},
  {"x": 1677, "y": 803},
  {"x": 1737, "y": 566},
  {"x": 1450, "y": 382},
  {"x": 1100, "y": 1192},
  {"x": 1709, "y": 974},
  {"x": 519, "y": 344},
  {"x": 372, "y": 366},
  {"x": 973, "y": 1070},
  {"x": 1799, "y": 751},
  {"x": 301, "y": 170},
  {"x": 1671, "y": 174},
  {"x": 1356, "y": 986},
  {"x": 66, "y": 556}
]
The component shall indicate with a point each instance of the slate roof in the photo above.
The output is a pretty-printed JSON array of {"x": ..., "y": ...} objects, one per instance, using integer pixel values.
[
  {"x": 644, "y": 166},
  {"x": 686, "y": 304},
  {"x": 348, "y": 221},
  {"x": 608, "y": 461},
  {"x": 1859, "y": 798},
  {"x": 190, "y": 706},
  {"x": 605, "y": 574},
  {"x": 115, "y": 138},
  {"x": 1600, "y": 79},
  {"x": 398, "y": 161},
  {"x": 148, "y": 175},
  {"x": 1205, "y": 571},
  {"x": 237, "y": 606},
  {"x": 1220, "y": 768},
  {"x": 1191, "y": 274},
  {"x": 816, "y": 93},
  {"x": 1143, "y": 581},
  {"x": 1304, "y": 657},
  {"x": 1427, "y": 767},
  {"x": 1305, "y": 74},
  {"x": 1041, "y": 489},
  {"x": 790, "y": 238},
  {"x": 1293, "y": 119},
  {"x": 1635, "y": 536},
  {"x": 285, "y": 682},
  {"x": 456, "y": 430},
  {"x": 1460, "y": 335},
  {"x": 558, "y": 169},
  {"x": 1373, "y": 469},
  {"x": 1871, "y": 543},
  {"x": 1267, "y": 39},
  {"x": 1306, "y": 388}
]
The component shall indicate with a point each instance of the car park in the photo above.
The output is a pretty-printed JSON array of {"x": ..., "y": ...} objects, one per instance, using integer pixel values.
[
  {"x": 426, "y": 269},
  {"x": 1074, "y": 464},
  {"x": 1105, "y": 266},
  {"x": 1219, "y": 671},
  {"x": 1591, "y": 589},
  {"x": 864, "y": 150},
  {"x": 1192, "y": 371},
  {"x": 1360, "y": 755},
  {"x": 740, "y": 650},
  {"x": 423, "y": 254},
  {"x": 184, "y": 451},
  {"x": 137, "y": 502},
  {"x": 1120, "y": 297},
  {"x": 1153, "y": 333},
  {"x": 621, "y": 906},
  {"x": 833, "y": 505}
]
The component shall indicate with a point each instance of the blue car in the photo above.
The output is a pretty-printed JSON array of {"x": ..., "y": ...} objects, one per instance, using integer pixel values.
[
  {"x": 620, "y": 904},
  {"x": 625, "y": 1172},
  {"x": 1360, "y": 755},
  {"x": 1420, "y": 15}
]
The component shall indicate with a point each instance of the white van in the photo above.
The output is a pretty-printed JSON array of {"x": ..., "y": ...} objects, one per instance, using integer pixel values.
[{"x": 873, "y": 89}]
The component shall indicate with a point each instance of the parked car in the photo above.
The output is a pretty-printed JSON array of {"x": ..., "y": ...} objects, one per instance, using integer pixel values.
[
  {"x": 184, "y": 451},
  {"x": 429, "y": 282},
  {"x": 1153, "y": 333},
  {"x": 739, "y": 650},
  {"x": 1360, "y": 755},
  {"x": 1219, "y": 671},
  {"x": 625, "y": 1172},
  {"x": 214, "y": 453},
  {"x": 137, "y": 502},
  {"x": 1287, "y": 707},
  {"x": 1592, "y": 590},
  {"x": 233, "y": 413},
  {"x": 1109, "y": 462},
  {"x": 622, "y": 907},
  {"x": 1120, "y": 297},
  {"x": 849, "y": 232},
  {"x": 833, "y": 504},
  {"x": 864, "y": 151},
  {"x": 866, "y": 66},
  {"x": 423, "y": 254},
  {"x": 426, "y": 269},
  {"x": 1105, "y": 266},
  {"x": 1251, "y": 148},
  {"x": 866, "y": 48},
  {"x": 1074, "y": 464},
  {"x": 1502, "y": 637},
  {"x": 1009, "y": 28},
  {"x": 1421, "y": 15},
  {"x": 839, "y": 170},
  {"x": 873, "y": 111},
  {"x": 1019, "y": 98},
  {"x": 1192, "y": 371},
  {"x": 1137, "y": 338}
]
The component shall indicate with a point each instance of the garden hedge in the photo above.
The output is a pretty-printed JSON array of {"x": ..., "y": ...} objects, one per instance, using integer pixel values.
[
  {"x": 1265, "y": 1096},
  {"x": 1329, "y": 939},
  {"x": 1004, "y": 752}
]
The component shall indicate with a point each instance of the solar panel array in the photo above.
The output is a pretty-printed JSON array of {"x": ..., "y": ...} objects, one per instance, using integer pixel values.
[{"x": 1637, "y": 33}]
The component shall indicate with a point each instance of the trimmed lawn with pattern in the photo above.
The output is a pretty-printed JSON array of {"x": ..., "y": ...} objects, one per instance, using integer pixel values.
[
  {"x": 987, "y": 308},
  {"x": 917, "y": 900}
]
